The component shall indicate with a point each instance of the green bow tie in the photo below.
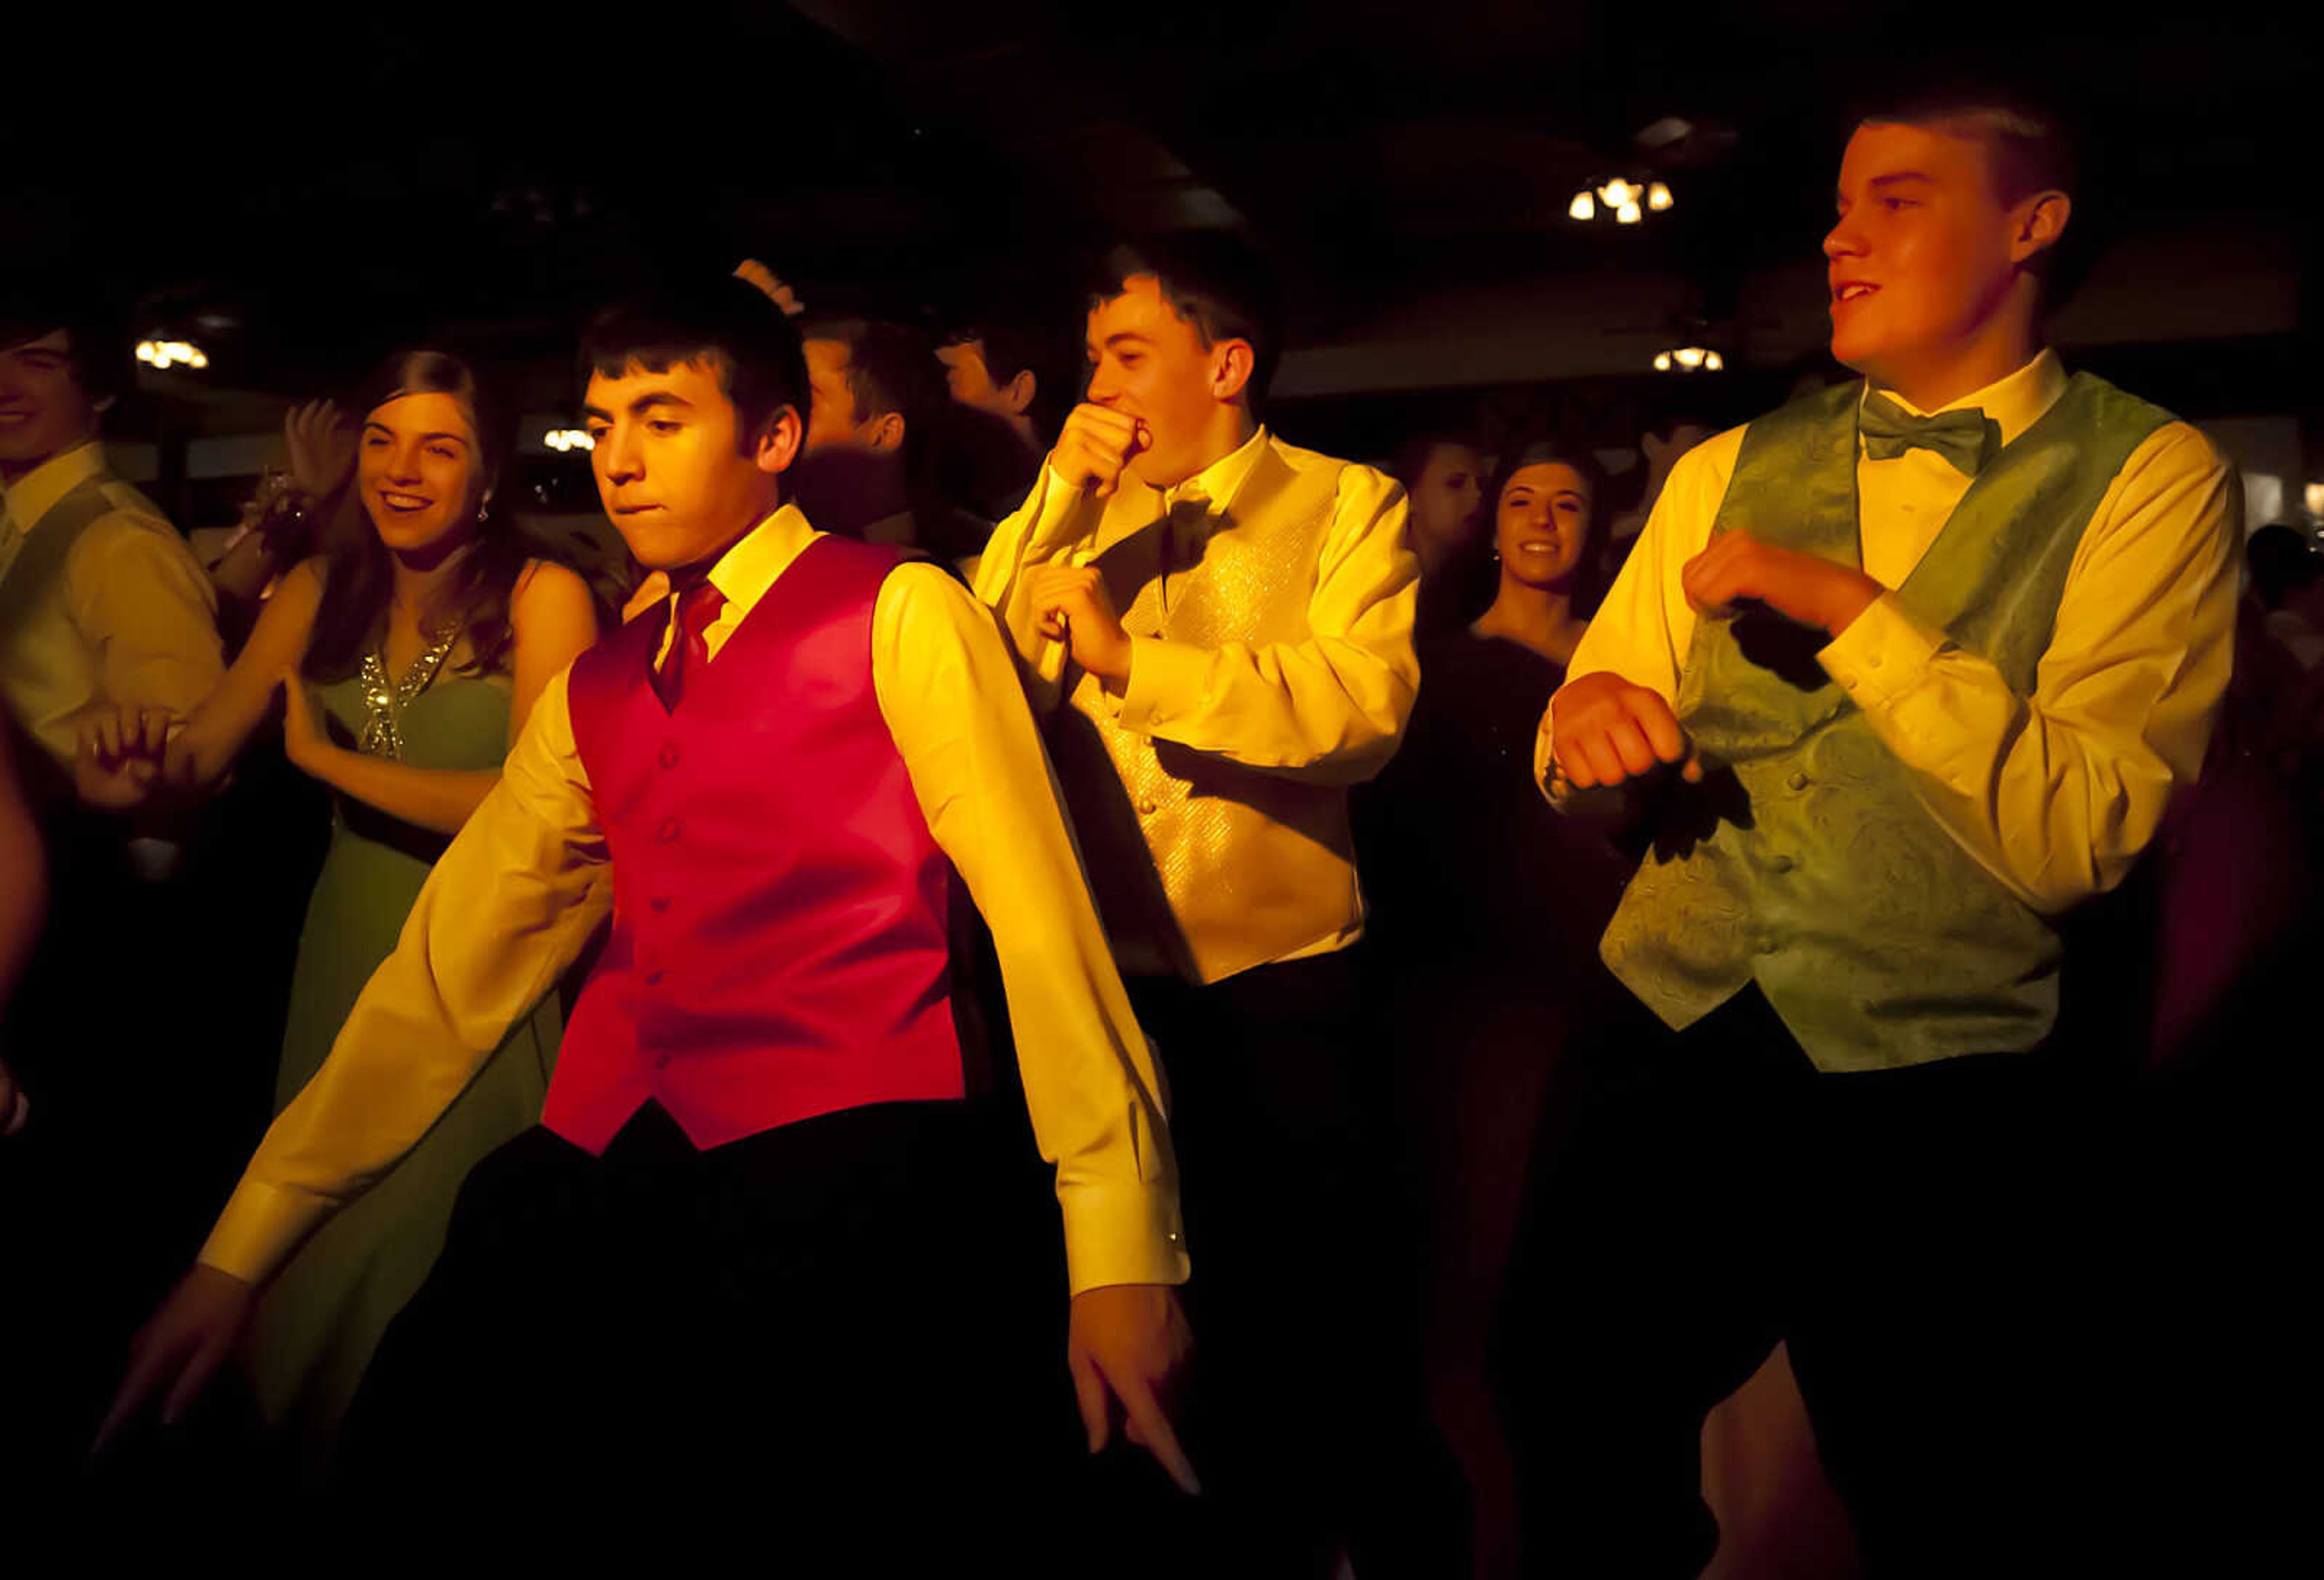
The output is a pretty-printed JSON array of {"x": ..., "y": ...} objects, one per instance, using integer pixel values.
[{"x": 1967, "y": 438}]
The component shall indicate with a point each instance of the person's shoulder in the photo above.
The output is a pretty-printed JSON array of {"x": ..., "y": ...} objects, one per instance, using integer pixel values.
[{"x": 546, "y": 584}]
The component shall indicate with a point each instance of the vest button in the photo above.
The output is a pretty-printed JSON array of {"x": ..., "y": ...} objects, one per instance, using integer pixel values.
[
  {"x": 1148, "y": 806},
  {"x": 659, "y": 904},
  {"x": 668, "y": 832},
  {"x": 661, "y": 1062},
  {"x": 1780, "y": 864},
  {"x": 670, "y": 754},
  {"x": 653, "y": 979},
  {"x": 1797, "y": 781}
]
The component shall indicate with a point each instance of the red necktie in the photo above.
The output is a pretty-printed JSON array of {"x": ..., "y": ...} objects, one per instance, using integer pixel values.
[{"x": 689, "y": 647}]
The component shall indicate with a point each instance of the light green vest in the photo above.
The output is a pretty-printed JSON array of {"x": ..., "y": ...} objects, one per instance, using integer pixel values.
[
  {"x": 1814, "y": 870},
  {"x": 32, "y": 661}
]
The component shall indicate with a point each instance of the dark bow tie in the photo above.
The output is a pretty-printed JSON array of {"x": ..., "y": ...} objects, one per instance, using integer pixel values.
[{"x": 1966, "y": 437}]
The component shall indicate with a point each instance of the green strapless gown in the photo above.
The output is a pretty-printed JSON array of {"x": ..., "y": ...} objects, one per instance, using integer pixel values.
[{"x": 319, "y": 1322}]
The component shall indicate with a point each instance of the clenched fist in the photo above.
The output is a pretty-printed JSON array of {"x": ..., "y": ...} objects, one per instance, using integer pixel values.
[
  {"x": 1095, "y": 447},
  {"x": 1605, "y": 729},
  {"x": 1738, "y": 568},
  {"x": 1073, "y": 607}
]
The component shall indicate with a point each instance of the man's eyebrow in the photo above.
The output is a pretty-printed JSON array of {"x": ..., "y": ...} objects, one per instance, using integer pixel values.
[
  {"x": 1898, "y": 177},
  {"x": 1120, "y": 335},
  {"x": 648, "y": 401}
]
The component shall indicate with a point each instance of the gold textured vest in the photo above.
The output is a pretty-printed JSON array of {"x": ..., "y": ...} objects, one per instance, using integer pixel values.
[{"x": 1203, "y": 867}]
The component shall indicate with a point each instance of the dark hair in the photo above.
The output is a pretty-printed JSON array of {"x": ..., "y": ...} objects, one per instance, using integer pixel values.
[
  {"x": 729, "y": 324},
  {"x": 889, "y": 368},
  {"x": 1010, "y": 348},
  {"x": 1411, "y": 457},
  {"x": 1594, "y": 572},
  {"x": 2033, "y": 143},
  {"x": 38, "y": 302},
  {"x": 358, "y": 568},
  {"x": 1214, "y": 284}
]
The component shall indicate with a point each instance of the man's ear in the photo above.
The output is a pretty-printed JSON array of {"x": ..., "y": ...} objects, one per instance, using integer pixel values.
[
  {"x": 1231, "y": 368},
  {"x": 2037, "y": 223},
  {"x": 779, "y": 441},
  {"x": 885, "y": 432},
  {"x": 1018, "y": 391}
]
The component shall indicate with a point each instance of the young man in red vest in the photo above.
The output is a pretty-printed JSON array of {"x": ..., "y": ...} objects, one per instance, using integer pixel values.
[{"x": 750, "y": 1251}]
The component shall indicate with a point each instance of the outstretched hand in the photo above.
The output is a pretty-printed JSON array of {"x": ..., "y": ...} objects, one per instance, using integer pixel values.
[
  {"x": 1128, "y": 1346},
  {"x": 181, "y": 1348}
]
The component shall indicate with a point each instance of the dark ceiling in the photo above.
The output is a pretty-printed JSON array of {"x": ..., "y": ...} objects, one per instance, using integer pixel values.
[{"x": 301, "y": 195}]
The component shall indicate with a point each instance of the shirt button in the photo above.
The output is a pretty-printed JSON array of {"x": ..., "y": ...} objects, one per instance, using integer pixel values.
[
  {"x": 668, "y": 832},
  {"x": 1780, "y": 864},
  {"x": 661, "y": 1062},
  {"x": 653, "y": 979},
  {"x": 1872, "y": 661},
  {"x": 1797, "y": 781},
  {"x": 670, "y": 754},
  {"x": 659, "y": 903}
]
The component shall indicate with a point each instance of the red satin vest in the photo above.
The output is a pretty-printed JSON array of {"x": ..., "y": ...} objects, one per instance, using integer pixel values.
[{"x": 779, "y": 943}]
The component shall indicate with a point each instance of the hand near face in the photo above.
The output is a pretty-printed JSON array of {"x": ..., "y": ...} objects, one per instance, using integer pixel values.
[
  {"x": 1802, "y": 587},
  {"x": 1096, "y": 446},
  {"x": 1606, "y": 730},
  {"x": 1073, "y": 606},
  {"x": 1128, "y": 1346},
  {"x": 321, "y": 440}
]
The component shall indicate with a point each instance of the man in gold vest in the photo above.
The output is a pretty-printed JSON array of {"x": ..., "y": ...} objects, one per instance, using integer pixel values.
[
  {"x": 1897, "y": 677},
  {"x": 1227, "y": 621}
]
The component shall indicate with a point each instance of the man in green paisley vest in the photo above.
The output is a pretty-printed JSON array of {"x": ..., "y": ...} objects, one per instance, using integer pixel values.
[
  {"x": 1897, "y": 677},
  {"x": 1219, "y": 625}
]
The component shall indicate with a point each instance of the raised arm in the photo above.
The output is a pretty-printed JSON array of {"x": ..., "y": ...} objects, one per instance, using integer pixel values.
[
  {"x": 123, "y": 758},
  {"x": 2056, "y": 794},
  {"x": 1329, "y": 708}
]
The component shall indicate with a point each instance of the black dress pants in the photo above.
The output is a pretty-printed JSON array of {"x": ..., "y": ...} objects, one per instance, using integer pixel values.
[
  {"x": 799, "y": 1348},
  {"x": 1941, "y": 1246},
  {"x": 1305, "y": 1419}
]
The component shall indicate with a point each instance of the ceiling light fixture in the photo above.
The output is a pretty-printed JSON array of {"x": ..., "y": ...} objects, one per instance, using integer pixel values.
[
  {"x": 162, "y": 354},
  {"x": 563, "y": 439},
  {"x": 1626, "y": 200},
  {"x": 1689, "y": 359}
]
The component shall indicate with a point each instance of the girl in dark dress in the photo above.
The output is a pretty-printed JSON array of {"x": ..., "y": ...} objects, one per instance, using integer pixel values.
[{"x": 1486, "y": 911}]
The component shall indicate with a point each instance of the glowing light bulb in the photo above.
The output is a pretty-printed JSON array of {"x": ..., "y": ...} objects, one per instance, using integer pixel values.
[
  {"x": 1582, "y": 207},
  {"x": 1688, "y": 356},
  {"x": 582, "y": 440},
  {"x": 1618, "y": 192},
  {"x": 1661, "y": 362},
  {"x": 1627, "y": 215},
  {"x": 1713, "y": 360},
  {"x": 198, "y": 360},
  {"x": 1658, "y": 198},
  {"x": 147, "y": 351}
]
